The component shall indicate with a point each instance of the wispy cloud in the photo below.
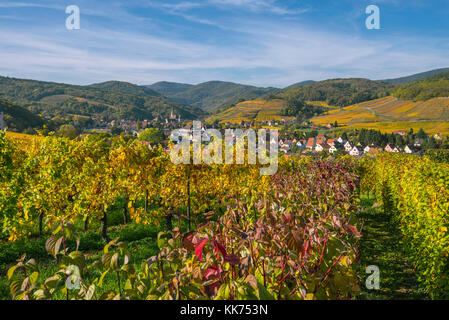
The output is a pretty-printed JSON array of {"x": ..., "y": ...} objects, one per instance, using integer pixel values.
[
  {"x": 9, "y": 4},
  {"x": 259, "y": 5},
  {"x": 186, "y": 9},
  {"x": 260, "y": 50}
]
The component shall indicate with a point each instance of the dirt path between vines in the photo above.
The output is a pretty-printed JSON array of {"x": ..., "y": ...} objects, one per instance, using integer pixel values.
[{"x": 380, "y": 246}]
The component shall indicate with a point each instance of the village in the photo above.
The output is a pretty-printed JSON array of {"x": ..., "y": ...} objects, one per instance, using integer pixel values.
[
  {"x": 311, "y": 146},
  {"x": 321, "y": 144},
  {"x": 316, "y": 142}
]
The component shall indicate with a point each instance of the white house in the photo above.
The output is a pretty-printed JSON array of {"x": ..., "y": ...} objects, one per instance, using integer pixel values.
[
  {"x": 333, "y": 149},
  {"x": 348, "y": 146},
  {"x": 367, "y": 149},
  {"x": 356, "y": 151},
  {"x": 301, "y": 143},
  {"x": 408, "y": 150},
  {"x": 285, "y": 145},
  {"x": 341, "y": 140},
  {"x": 321, "y": 147},
  {"x": 397, "y": 149}
]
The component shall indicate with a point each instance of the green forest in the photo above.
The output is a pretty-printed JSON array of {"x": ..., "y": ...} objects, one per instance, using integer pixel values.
[
  {"x": 433, "y": 87},
  {"x": 18, "y": 118},
  {"x": 111, "y": 100}
]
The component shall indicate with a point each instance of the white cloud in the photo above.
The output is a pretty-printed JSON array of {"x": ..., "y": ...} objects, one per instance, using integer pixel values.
[
  {"x": 269, "y": 53},
  {"x": 258, "y": 5},
  {"x": 252, "y": 5},
  {"x": 9, "y": 4}
]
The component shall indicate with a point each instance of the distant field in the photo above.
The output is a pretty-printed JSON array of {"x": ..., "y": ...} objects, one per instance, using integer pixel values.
[
  {"x": 390, "y": 114},
  {"x": 323, "y": 104},
  {"x": 257, "y": 110},
  {"x": 431, "y": 127}
]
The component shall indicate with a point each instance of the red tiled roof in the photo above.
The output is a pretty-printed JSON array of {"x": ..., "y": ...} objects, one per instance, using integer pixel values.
[{"x": 310, "y": 142}]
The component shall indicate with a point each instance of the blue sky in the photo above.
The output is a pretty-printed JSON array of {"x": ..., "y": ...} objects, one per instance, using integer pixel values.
[{"x": 258, "y": 42}]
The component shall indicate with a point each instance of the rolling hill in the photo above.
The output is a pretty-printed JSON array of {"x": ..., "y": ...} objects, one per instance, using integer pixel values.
[
  {"x": 209, "y": 96},
  {"x": 328, "y": 94},
  {"x": 227, "y": 101},
  {"x": 109, "y": 100},
  {"x": 390, "y": 114},
  {"x": 433, "y": 87},
  {"x": 252, "y": 110},
  {"x": 18, "y": 118},
  {"x": 340, "y": 92},
  {"x": 300, "y": 84},
  {"x": 125, "y": 88},
  {"x": 169, "y": 89},
  {"x": 415, "y": 77}
]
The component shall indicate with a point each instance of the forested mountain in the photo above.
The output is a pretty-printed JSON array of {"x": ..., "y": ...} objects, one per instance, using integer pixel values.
[
  {"x": 18, "y": 118},
  {"x": 122, "y": 100},
  {"x": 169, "y": 88},
  {"x": 416, "y": 77},
  {"x": 304, "y": 101},
  {"x": 109, "y": 100},
  {"x": 212, "y": 95},
  {"x": 433, "y": 87},
  {"x": 339, "y": 92},
  {"x": 126, "y": 88},
  {"x": 300, "y": 84}
]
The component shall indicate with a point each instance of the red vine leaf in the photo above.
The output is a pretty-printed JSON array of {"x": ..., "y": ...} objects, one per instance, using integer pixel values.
[
  {"x": 219, "y": 247},
  {"x": 199, "y": 249}
]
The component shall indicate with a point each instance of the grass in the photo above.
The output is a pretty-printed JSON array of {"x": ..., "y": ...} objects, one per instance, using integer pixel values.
[
  {"x": 141, "y": 240},
  {"x": 380, "y": 245}
]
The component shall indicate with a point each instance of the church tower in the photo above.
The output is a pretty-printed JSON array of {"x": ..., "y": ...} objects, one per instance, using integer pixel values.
[{"x": 172, "y": 115}]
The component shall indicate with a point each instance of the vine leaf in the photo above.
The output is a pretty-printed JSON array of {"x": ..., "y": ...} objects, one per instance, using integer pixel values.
[{"x": 199, "y": 249}]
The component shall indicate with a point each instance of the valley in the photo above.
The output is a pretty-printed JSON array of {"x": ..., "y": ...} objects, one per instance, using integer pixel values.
[{"x": 416, "y": 101}]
